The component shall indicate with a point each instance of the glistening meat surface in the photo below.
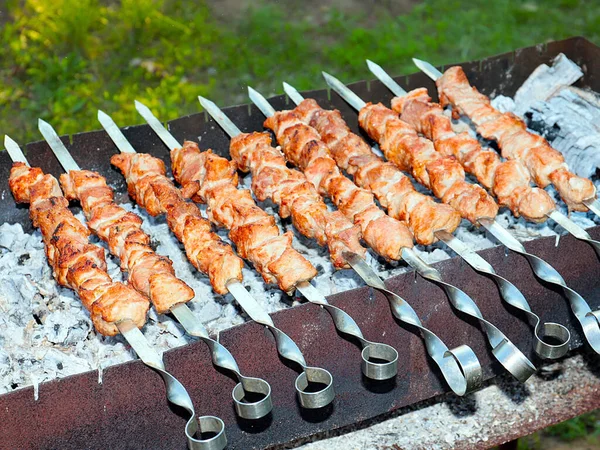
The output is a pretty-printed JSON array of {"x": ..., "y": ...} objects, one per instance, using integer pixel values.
[
  {"x": 546, "y": 165},
  {"x": 75, "y": 262},
  {"x": 214, "y": 180}
]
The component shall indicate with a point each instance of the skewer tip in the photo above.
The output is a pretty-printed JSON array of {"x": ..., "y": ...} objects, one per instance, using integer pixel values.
[
  {"x": 427, "y": 68},
  {"x": 327, "y": 77},
  {"x": 331, "y": 81},
  {"x": 8, "y": 141},
  {"x": 140, "y": 106},
  {"x": 371, "y": 64},
  {"x": 14, "y": 151},
  {"x": 292, "y": 93},
  {"x": 204, "y": 102},
  {"x": 45, "y": 127},
  {"x": 261, "y": 102}
]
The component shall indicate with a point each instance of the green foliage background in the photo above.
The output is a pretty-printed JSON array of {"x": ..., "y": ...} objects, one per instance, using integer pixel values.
[{"x": 61, "y": 60}]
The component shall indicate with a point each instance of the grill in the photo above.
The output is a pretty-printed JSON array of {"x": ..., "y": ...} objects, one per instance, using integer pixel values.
[{"x": 129, "y": 409}]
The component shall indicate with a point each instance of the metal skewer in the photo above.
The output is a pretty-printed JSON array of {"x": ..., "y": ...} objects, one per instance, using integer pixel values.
[
  {"x": 509, "y": 292},
  {"x": 459, "y": 366},
  {"x": 513, "y": 360},
  {"x": 176, "y": 393},
  {"x": 589, "y": 320},
  {"x": 220, "y": 355},
  {"x": 286, "y": 347},
  {"x": 558, "y": 217},
  {"x": 343, "y": 322}
]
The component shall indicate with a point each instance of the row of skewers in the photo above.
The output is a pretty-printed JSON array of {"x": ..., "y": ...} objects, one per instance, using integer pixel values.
[{"x": 415, "y": 136}]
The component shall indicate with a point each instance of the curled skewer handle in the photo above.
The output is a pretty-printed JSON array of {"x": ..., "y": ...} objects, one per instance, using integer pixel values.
[
  {"x": 514, "y": 297},
  {"x": 459, "y": 366},
  {"x": 344, "y": 323},
  {"x": 221, "y": 357},
  {"x": 589, "y": 320},
  {"x": 288, "y": 349},
  {"x": 511, "y": 358},
  {"x": 317, "y": 398},
  {"x": 177, "y": 394}
]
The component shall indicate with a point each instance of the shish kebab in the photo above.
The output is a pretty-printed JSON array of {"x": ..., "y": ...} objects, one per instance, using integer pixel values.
[
  {"x": 295, "y": 196},
  {"x": 462, "y": 146},
  {"x": 303, "y": 147},
  {"x": 79, "y": 265},
  {"x": 213, "y": 180},
  {"x": 150, "y": 274},
  {"x": 545, "y": 165},
  {"x": 149, "y": 186},
  {"x": 372, "y": 172},
  {"x": 402, "y": 145}
]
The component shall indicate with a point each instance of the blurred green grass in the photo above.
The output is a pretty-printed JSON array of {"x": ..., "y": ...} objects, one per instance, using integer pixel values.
[{"x": 63, "y": 59}]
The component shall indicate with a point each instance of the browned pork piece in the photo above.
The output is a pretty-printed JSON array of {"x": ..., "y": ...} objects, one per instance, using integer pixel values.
[
  {"x": 303, "y": 147},
  {"x": 75, "y": 262},
  {"x": 149, "y": 273},
  {"x": 151, "y": 189},
  {"x": 509, "y": 180},
  {"x": 442, "y": 174},
  {"x": 212, "y": 179},
  {"x": 545, "y": 164},
  {"x": 391, "y": 187},
  {"x": 296, "y": 197}
]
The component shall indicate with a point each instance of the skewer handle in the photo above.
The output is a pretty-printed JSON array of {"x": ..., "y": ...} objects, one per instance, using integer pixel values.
[
  {"x": 514, "y": 297},
  {"x": 288, "y": 349},
  {"x": 460, "y": 367},
  {"x": 589, "y": 320},
  {"x": 344, "y": 323},
  {"x": 511, "y": 358}
]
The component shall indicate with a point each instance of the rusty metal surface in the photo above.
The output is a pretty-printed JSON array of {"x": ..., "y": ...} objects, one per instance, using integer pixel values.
[{"x": 129, "y": 410}]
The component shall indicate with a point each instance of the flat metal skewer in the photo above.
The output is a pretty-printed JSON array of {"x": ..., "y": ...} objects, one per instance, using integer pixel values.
[
  {"x": 513, "y": 360},
  {"x": 388, "y": 367},
  {"x": 541, "y": 330},
  {"x": 589, "y": 320},
  {"x": 593, "y": 204},
  {"x": 221, "y": 357},
  {"x": 176, "y": 392},
  {"x": 459, "y": 366},
  {"x": 286, "y": 347}
]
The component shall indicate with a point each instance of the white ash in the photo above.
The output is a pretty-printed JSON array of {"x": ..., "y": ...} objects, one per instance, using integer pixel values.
[
  {"x": 545, "y": 81},
  {"x": 45, "y": 333},
  {"x": 579, "y": 130}
]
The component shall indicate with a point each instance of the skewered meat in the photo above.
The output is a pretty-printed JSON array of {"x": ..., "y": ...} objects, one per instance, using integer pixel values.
[
  {"x": 213, "y": 179},
  {"x": 546, "y": 165},
  {"x": 303, "y": 147},
  {"x": 391, "y": 187},
  {"x": 149, "y": 273},
  {"x": 150, "y": 188},
  {"x": 509, "y": 181},
  {"x": 296, "y": 197},
  {"x": 75, "y": 262},
  {"x": 442, "y": 174}
]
